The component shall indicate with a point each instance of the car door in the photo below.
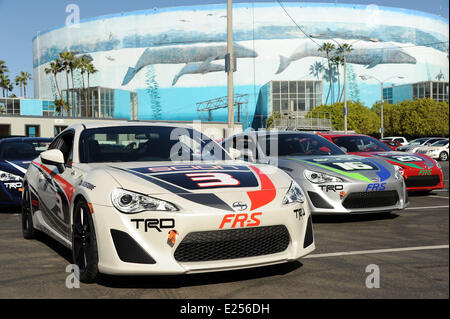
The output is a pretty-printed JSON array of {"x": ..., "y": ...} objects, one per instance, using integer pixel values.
[{"x": 56, "y": 188}]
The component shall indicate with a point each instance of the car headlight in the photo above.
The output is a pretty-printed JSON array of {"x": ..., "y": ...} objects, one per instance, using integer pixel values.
[
  {"x": 131, "y": 202},
  {"x": 398, "y": 172},
  {"x": 5, "y": 177},
  {"x": 319, "y": 178},
  {"x": 294, "y": 194},
  {"x": 437, "y": 164}
]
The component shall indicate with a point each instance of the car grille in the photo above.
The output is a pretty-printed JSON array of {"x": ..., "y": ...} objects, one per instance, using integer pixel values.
[
  {"x": 370, "y": 199},
  {"x": 422, "y": 181},
  {"x": 232, "y": 243}
]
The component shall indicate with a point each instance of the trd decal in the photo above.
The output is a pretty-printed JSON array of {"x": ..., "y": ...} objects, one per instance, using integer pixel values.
[
  {"x": 194, "y": 181},
  {"x": 333, "y": 188},
  {"x": 375, "y": 187},
  {"x": 240, "y": 220},
  {"x": 13, "y": 185},
  {"x": 424, "y": 172},
  {"x": 155, "y": 223},
  {"x": 299, "y": 212}
]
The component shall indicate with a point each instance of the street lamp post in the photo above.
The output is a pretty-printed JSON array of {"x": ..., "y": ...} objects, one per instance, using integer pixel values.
[
  {"x": 231, "y": 68},
  {"x": 366, "y": 77}
]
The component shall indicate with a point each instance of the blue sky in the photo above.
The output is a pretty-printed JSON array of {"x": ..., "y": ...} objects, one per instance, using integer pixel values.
[{"x": 21, "y": 20}]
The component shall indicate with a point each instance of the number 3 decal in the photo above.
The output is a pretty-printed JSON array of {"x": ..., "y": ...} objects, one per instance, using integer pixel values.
[
  {"x": 217, "y": 179},
  {"x": 350, "y": 166}
]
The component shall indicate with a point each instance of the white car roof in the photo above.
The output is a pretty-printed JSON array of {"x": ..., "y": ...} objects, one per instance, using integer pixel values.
[{"x": 100, "y": 124}]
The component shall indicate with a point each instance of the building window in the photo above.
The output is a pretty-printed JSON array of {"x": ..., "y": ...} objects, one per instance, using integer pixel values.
[
  {"x": 58, "y": 129},
  {"x": 5, "y": 130},
  {"x": 32, "y": 131}
]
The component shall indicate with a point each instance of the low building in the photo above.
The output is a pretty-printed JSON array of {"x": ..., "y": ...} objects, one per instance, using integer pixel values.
[{"x": 436, "y": 90}]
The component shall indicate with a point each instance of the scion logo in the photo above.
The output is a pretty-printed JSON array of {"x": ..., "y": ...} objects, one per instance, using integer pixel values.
[
  {"x": 155, "y": 223},
  {"x": 241, "y": 220},
  {"x": 328, "y": 188},
  {"x": 375, "y": 187},
  {"x": 240, "y": 206}
]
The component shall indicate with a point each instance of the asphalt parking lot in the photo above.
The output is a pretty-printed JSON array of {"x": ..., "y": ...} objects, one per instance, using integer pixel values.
[{"x": 410, "y": 249}]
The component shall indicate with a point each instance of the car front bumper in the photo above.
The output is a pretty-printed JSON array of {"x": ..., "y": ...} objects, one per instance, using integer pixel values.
[{"x": 150, "y": 233}]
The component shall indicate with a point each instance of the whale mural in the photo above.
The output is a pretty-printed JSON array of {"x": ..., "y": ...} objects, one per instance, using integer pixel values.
[
  {"x": 198, "y": 68},
  {"x": 204, "y": 53},
  {"x": 367, "y": 56}
]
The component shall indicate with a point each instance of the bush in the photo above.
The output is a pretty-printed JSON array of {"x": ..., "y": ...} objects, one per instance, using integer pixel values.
[{"x": 360, "y": 118}]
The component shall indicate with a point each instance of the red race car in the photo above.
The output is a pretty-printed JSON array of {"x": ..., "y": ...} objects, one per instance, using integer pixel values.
[{"x": 421, "y": 172}]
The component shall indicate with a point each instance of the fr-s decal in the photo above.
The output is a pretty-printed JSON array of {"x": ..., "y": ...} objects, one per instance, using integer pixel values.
[{"x": 240, "y": 220}]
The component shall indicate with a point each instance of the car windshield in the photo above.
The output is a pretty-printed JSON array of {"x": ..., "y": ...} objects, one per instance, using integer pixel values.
[
  {"x": 297, "y": 144},
  {"x": 360, "y": 143},
  {"x": 440, "y": 143},
  {"x": 146, "y": 143},
  {"x": 22, "y": 150},
  {"x": 417, "y": 142}
]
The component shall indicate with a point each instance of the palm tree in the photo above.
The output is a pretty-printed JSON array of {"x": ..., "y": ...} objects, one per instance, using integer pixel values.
[
  {"x": 55, "y": 68},
  {"x": 337, "y": 61},
  {"x": 328, "y": 48},
  {"x": 82, "y": 66},
  {"x": 19, "y": 81},
  {"x": 3, "y": 67},
  {"x": 90, "y": 69},
  {"x": 316, "y": 69},
  {"x": 25, "y": 77},
  {"x": 344, "y": 49},
  {"x": 5, "y": 84},
  {"x": 66, "y": 59},
  {"x": 59, "y": 104}
]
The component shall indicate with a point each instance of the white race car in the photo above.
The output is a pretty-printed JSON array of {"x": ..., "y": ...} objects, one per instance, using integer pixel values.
[{"x": 138, "y": 199}]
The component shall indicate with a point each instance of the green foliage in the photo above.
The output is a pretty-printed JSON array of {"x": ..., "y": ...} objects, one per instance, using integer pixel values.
[
  {"x": 270, "y": 119},
  {"x": 423, "y": 117},
  {"x": 360, "y": 118}
]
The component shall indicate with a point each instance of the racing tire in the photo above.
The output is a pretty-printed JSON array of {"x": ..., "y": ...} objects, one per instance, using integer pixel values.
[
  {"x": 28, "y": 230},
  {"x": 443, "y": 156},
  {"x": 84, "y": 243}
]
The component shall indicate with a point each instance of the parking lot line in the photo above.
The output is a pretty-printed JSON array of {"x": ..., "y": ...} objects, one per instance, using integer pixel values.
[
  {"x": 376, "y": 251},
  {"x": 426, "y": 207},
  {"x": 446, "y": 197}
]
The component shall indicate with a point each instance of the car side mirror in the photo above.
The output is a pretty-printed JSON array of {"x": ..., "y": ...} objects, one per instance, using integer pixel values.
[
  {"x": 234, "y": 153},
  {"x": 53, "y": 157}
]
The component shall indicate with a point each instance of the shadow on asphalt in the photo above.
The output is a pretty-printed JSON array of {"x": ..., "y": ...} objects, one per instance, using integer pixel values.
[
  {"x": 177, "y": 281},
  {"x": 10, "y": 210},
  {"x": 353, "y": 218},
  {"x": 60, "y": 249}
]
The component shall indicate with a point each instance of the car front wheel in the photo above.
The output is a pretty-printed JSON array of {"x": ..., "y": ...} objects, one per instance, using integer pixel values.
[
  {"x": 27, "y": 217},
  {"x": 84, "y": 243},
  {"x": 443, "y": 156}
]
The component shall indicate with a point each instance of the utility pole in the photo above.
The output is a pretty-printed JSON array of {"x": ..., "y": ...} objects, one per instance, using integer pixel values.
[
  {"x": 381, "y": 111},
  {"x": 231, "y": 64}
]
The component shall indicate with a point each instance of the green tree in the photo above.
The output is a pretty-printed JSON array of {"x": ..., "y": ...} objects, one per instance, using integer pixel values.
[
  {"x": 5, "y": 84},
  {"x": 66, "y": 59},
  {"x": 328, "y": 48},
  {"x": 271, "y": 119},
  {"x": 90, "y": 69},
  {"x": 25, "y": 77},
  {"x": 3, "y": 67},
  {"x": 422, "y": 117},
  {"x": 360, "y": 118},
  {"x": 54, "y": 69}
]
